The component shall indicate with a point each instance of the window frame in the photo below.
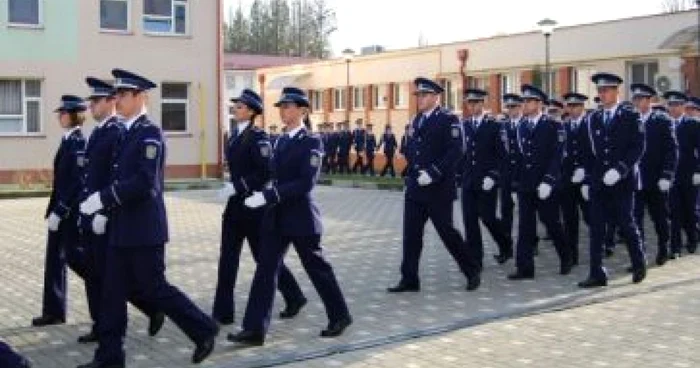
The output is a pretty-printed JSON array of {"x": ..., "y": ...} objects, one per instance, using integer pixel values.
[
  {"x": 40, "y": 18},
  {"x": 171, "y": 17},
  {"x": 377, "y": 99},
  {"x": 646, "y": 63},
  {"x": 343, "y": 99},
  {"x": 316, "y": 100},
  {"x": 358, "y": 95},
  {"x": 128, "y": 29},
  {"x": 25, "y": 114},
  {"x": 186, "y": 102},
  {"x": 399, "y": 96}
]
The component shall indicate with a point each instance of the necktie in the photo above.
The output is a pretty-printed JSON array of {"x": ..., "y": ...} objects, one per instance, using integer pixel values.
[
  {"x": 608, "y": 115},
  {"x": 531, "y": 124},
  {"x": 234, "y": 133},
  {"x": 421, "y": 121},
  {"x": 282, "y": 142},
  {"x": 476, "y": 124}
]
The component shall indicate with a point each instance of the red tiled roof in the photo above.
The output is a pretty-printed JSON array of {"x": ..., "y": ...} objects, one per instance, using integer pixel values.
[{"x": 233, "y": 61}]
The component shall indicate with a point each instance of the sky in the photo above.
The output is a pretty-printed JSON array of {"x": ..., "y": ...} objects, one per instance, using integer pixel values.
[{"x": 395, "y": 24}]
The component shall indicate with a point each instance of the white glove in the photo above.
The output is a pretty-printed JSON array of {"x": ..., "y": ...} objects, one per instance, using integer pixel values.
[
  {"x": 53, "y": 221},
  {"x": 544, "y": 191},
  {"x": 579, "y": 175},
  {"x": 92, "y": 204},
  {"x": 424, "y": 179},
  {"x": 257, "y": 200},
  {"x": 99, "y": 224},
  {"x": 696, "y": 179},
  {"x": 514, "y": 197},
  {"x": 664, "y": 185},
  {"x": 611, "y": 177},
  {"x": 227, "y": 191},
  {"x": 585, "y": 192},
  {"x": 488, "y": 184}
]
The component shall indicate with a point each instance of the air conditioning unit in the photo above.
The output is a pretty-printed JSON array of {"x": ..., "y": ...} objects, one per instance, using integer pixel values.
[{"x": 663, "y": 83}]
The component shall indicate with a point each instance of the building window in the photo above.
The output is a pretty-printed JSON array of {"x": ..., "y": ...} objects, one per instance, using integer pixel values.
[
  {"x": 573, "y": 79},
  {"x": 643, "y": 72},
  {"x": 399, "y": 95},
  {"x": 339, "y": 99},
  {"x": 450, "y": 102},
  {"x": 358, "y": 98},
  {"x": 165, "y": 16},
  {"x": 25, "y": 12},
  {"x": 317, "y": 100},
  {"x": 114, "y": 15},
  {"x": 174, "y": 103},
  {"x": 379, "y": 96},
  {"x": 20, "y": 106}
]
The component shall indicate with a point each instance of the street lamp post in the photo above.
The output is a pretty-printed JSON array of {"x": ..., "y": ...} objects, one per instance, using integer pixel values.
[
  {"x": 348, "y": 55},
  {"x": 547, "y": 27}
]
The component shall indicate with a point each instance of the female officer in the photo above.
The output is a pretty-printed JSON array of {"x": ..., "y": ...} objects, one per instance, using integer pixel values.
[
  {"x": 61, "y": 214},
  {"x": 248, "y": 155},
  {"x": 291, "y": 217}
]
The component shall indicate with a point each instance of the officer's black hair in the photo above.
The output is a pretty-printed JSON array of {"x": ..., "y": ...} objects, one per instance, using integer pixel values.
[
  {"x": 76, "y": 118},
  {"x": 307, "y": 123}
]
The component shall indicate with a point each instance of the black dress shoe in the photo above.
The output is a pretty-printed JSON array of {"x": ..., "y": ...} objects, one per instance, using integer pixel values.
[
  {"x": 292, "y": 309},
  {"x": 591, "y": 283},
  {"x": 336, "y": 328},
  {"x": 521, "y": 275},
  {"x": 639, "y": 275},
  {"x": 502, "y": 258},
  {"x": 25, "y": 364},
  {"x": 155, "y": 323},
  {"x": 661, "y": 259},
  {"x": 404, "y": 288},
  {"x": 204, "y": 348},
  {"x": 474, "y": 282},
  {"x": 674, "y": 255},
  {"x": 95, "y": 364},
  {"x": 692, "y": 248},
  {"x": 565, "y": 268},
  {"x": 224, "y": 321},
  {"x": 248, "y": 338},
  {"x": 88, "y": 338},
  {"x": 609, "y": 252},
  {"x": 47, "y": 321}
]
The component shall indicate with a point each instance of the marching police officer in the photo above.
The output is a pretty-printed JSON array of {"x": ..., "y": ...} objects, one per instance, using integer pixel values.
[
  {"x": 684, "y": 193},
  {"x": 359, "y": 140},
  {"x": 332, "y": 149},
  {"x": 11, "y": 359},
  {"x": 434, "y": 144},
  {"x": 612, "y": 152},
  {"x": 388, "y": 142},
  {"x": 573, "y": 172},
  {"x": 555, "y": 109},
  {"x": 657, "y": 169},
  {"x": 540, "y": 142},
  {"x": 291, "y": 217},
  {"x": 248, "y": 155},
  {"x": 98, "y": 164},
  {"x": 138, "y": 231},
  {"x": 509, "y": 167},
  {"x": 370, "y": 149},
  {"x": 344, "y": 146},
  {"x": 62, "y": 244},
  {"x": 485, "y": 151}
]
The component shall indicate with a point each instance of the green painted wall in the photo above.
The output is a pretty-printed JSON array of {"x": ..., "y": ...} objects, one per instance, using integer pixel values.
[{"x": 56, "y": 41}]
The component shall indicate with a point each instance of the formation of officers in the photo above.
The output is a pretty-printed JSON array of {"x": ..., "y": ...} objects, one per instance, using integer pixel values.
[
  {"x": 339, "y": 143},
  {"x": 554, "y": 160},
  {"x": 558, "y": 163}
]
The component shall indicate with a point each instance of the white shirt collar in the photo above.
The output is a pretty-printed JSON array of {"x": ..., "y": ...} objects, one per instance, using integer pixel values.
[
  {"x": 536, "y": 118},
  {"x": 70, "y": 131},
  {"x": 478, "y": 119},
  {"x": 242, "y": 126},
  {"x": 428, "y": 113},
  {"x": 612, "y": 109},
  {"x": 647, "y": 115},
  {"x": 105, "y": 120},
  {"x": 293, "y": 133},
  {"x": 130, "y": 122}
]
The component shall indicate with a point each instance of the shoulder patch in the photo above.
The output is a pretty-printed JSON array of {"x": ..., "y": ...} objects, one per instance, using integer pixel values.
[
  {"x": 456, "y": 133},
  {"x": 265, "y": 149}
]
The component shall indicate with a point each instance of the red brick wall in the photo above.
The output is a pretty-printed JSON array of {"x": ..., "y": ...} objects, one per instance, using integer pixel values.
[
  {"x": 526, "y": 77},
  {"x": 690, "y": 72},
  {"x": 494, "y": 100},
  {"x": 564, "y": 80}
]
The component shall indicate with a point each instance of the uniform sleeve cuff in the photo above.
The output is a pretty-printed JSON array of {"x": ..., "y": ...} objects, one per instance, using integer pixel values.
[{"x": 622, "y": 169}]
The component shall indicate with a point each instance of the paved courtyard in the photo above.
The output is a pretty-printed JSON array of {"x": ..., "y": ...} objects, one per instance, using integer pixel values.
[{"x": 547, "y": 322}]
